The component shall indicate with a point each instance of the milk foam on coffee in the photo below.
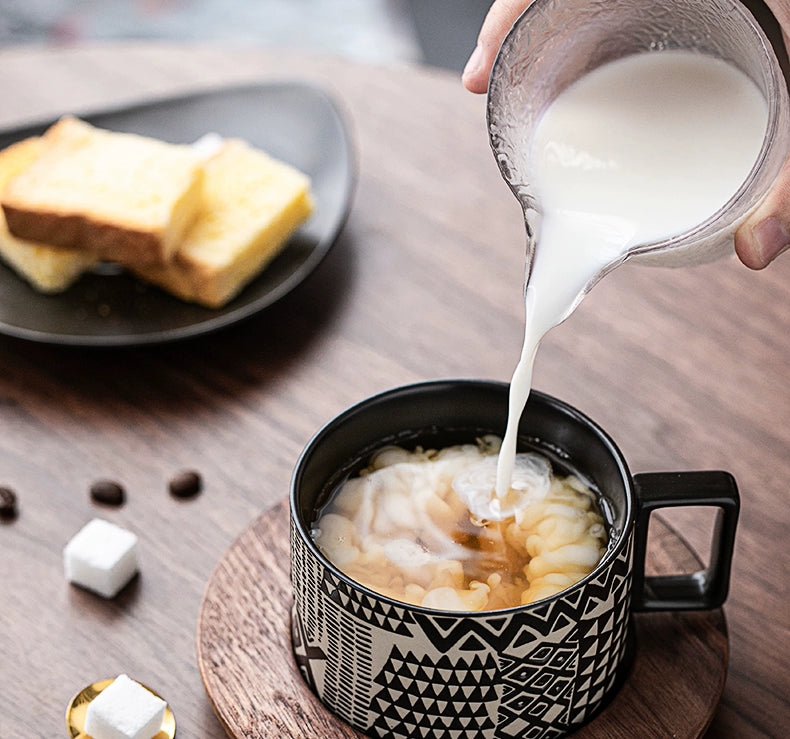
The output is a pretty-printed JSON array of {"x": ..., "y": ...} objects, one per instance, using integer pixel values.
[
  {"x": 639, "y": 150},
  {"x": 412, "y": 526}
]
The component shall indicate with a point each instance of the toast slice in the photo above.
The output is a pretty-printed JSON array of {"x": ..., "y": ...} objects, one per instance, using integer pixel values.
[
  {"x": 48, "y": 269},
  {"x": 251, "y": 205},
  {"x": 121, "y": 197}
]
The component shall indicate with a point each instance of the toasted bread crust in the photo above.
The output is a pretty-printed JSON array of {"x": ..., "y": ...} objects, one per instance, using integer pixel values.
[{"x": 113, "y": 242}]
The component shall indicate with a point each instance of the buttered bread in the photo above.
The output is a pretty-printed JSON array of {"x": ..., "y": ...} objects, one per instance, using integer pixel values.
[
  {"x": 49, "y": 269},
  {"x": 119, "y": 197},
  {"x": 251, "y": 204},
  {"x": 199, "y": 221}
]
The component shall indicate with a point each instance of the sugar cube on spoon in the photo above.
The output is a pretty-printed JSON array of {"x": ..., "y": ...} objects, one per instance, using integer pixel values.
[{"x": 125, "y": 710}]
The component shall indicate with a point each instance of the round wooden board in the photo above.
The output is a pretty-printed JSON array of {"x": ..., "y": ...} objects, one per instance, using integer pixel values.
[{"x": 245, "y": 659}]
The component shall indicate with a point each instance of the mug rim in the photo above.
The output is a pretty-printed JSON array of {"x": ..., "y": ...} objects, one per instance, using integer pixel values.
[{"x": 610, "y": 555}]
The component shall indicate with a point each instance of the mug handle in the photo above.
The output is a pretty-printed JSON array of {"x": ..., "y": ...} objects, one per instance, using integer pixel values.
[{"x": 701, "y": 590}]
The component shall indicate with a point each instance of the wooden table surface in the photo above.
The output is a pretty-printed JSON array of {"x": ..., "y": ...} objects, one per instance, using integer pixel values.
[{"x": 687, "y": 369}]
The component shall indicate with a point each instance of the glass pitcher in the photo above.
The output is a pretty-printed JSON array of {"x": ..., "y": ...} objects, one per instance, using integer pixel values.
[{"x": 555, "y": 42}]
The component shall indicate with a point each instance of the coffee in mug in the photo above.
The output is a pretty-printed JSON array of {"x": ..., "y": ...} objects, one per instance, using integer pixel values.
[{"x": 423, "y": 526}]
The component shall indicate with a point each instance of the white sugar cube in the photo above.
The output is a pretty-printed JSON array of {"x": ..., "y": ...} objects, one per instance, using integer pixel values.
[
  {"x": 125, "y": 710},
  {"x": 101, "y": 557}
]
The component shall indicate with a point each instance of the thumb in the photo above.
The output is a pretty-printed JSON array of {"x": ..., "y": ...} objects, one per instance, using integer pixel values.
[
  {"x": 500, "y": 19},
  {"x": 766, "y": 234}
]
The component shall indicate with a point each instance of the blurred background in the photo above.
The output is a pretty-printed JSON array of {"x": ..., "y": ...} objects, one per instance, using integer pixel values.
[{"x": 437, "y": 32}]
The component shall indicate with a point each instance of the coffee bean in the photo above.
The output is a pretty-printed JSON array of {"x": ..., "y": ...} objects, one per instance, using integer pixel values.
[
  {"x": 8, "y": 509},
  {"x": 108, "y": 492},
  {"x": 186, "y": 484}
]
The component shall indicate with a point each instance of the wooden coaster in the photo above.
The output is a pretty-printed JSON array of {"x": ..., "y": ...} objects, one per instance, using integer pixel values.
[{"x": 245, "y": 658}]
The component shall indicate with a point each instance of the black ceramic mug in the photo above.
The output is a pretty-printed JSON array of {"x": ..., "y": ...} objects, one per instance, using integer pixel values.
[{"x": 396, "y": 670}]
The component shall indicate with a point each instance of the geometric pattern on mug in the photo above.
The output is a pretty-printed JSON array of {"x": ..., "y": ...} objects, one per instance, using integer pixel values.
[
  {"x": 538, "y": 666},
  {"x": 536, "y": 692},
  {"x": 552, "y": 668},
  {"x": 548, "y": 621},
  {"x": 442, "y": 699},
  {"x": 603, "y": 629},
  {"x": 306, "y": 576},
  {"x": 383, "y": 615},
  {"x": 348, "y": 681},
  {"x": 307, "y": 657},
  {"x": 447, "y": 633}
]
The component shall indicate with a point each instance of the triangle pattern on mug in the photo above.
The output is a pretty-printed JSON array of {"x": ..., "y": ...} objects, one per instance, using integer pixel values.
[
  {"x": 450, "y": 701},
  {"x": 477, "y": 634},
  {"x": 370, "y": 610}
]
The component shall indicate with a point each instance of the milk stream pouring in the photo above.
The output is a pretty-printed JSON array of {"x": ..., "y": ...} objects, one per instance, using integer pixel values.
[{"x": 638, "y": 150}]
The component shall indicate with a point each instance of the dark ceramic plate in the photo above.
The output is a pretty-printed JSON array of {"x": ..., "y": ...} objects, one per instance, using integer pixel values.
[{"x": 293, "y": 122}]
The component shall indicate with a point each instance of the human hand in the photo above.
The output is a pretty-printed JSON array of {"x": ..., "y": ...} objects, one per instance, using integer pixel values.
[
  {"x": 500, "y": 19},
  {"x": 766, "y": 234},
  {"x": 761, "y": 238}
]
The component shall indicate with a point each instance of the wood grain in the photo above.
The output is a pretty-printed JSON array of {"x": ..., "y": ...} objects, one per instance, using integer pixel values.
[
  {"x": 245, "y": 658},
  {"x": 686, "y": 369}
]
